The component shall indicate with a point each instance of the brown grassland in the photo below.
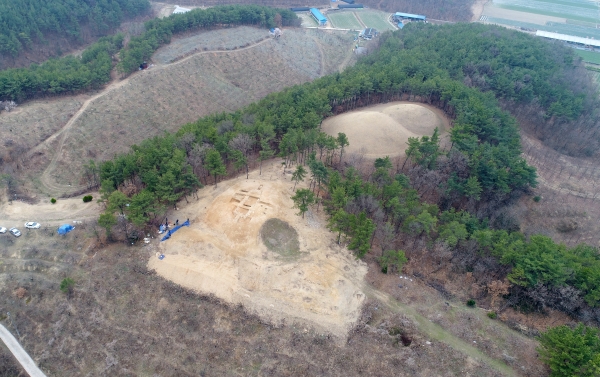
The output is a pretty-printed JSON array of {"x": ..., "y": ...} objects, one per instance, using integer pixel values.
[
  {"x": 166, "y": 96},
  {"x": 127, "y": 317}
]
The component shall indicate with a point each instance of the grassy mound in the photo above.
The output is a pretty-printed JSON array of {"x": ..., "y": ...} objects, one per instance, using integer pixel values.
[{"x": 281, "y": 238}]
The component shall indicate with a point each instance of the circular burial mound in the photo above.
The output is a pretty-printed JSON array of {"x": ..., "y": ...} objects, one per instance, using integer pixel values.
[
  {"x": 383, "y": 130},
  {"x": 281, "y": 238}
]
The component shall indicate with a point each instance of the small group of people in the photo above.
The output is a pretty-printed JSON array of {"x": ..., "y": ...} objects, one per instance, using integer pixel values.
[{"x": 166, "y": 226}]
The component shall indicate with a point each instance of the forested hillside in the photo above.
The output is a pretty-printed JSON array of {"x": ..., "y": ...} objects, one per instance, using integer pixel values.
[
  {"x": 541, "y": 82},
  {"x": 27, "y": 22},
  {"x": 91, "y": 70},
  {"x": 439, "y": 204}
]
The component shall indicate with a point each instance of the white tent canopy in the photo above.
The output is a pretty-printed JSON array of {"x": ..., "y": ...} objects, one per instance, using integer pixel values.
[
  {"x": 179, "y": 10},
  {"x": 568, "y": 38}
]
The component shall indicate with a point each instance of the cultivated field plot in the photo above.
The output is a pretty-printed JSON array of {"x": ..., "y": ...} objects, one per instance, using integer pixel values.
[
  {"x": 375, "y": 19},
  {"x": 589, "y": 56},
  {"x": 211, "y": 40},
  {"x": 555, "y": 27},
  {"x": 165, "y": 97},
  {"x": 493, "y": 11},
  {"x": 344, "y": 20},
  {"x": 580, "y": 10}
]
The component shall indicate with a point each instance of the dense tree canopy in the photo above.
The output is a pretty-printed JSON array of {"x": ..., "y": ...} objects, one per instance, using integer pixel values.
[
  {"x": 25, "y": 21},
  {"x": 65, "y": 75}
]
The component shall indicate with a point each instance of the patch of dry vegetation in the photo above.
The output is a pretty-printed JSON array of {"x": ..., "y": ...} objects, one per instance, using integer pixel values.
[
  {"x": 164, "y": 98},
  {"x": 208, "y": 41},
  {"x": 175, "y": 332},
  {"x": 30, "y": 124}
]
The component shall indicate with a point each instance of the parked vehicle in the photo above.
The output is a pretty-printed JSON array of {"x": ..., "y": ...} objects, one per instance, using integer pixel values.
[
  {"x": 2, "y": 229},
  {"x": 32, "y": 225},
  {"x": 15, "y": 232}
]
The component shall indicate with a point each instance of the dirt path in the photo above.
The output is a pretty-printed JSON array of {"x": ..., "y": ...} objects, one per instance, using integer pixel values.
[
  {"x": 20, "y": 354},
  {"x": 16, "y": 213},
  {"x": 359, "y": 20},
  {"x": 436, "y": 332},
  {"x": 322, "y": 56},
  {"x": 58, "y": 189},
  {"x": 346, "y": 61},
  {"x": 477, "y": 9}
]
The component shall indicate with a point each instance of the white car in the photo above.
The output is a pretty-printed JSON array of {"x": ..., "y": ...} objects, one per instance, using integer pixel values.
[
  {"x": 2, "y": 229},
  {"x": 15, "y": 232},
  {"x": 32, "y": 225}
]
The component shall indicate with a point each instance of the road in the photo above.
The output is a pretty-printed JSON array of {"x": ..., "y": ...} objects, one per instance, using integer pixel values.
[{"x": 20, "y": 354}]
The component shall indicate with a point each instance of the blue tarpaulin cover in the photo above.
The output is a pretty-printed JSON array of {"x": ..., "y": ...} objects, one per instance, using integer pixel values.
[
  {"x": 64, "y": 229},
  {"x": 171, "y": 231}
]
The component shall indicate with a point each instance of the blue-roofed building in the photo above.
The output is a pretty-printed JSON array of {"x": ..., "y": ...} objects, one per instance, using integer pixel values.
[
  {"x": 318, "y": 16},
  {"x": 399, "y": 16},
  {"x": 400, "y": 25}
]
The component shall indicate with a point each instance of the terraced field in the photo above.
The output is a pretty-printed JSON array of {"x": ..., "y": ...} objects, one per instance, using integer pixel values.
[{"x": 580, "y": 10}]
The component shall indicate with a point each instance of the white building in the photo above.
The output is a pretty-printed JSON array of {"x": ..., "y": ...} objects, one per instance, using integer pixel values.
[{"x": 179, "y": 10}]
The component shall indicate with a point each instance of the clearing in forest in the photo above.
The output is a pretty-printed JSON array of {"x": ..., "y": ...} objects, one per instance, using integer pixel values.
[
  {"x": 389, "y": 127},
  {"x": 247, "y": 245}
]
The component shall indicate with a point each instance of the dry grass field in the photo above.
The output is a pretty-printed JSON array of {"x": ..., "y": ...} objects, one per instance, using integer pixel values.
[
  {"x": 208, "y": 41},
  {"x": 167, "y": 96},
  {"x": 569, "y": 194}
]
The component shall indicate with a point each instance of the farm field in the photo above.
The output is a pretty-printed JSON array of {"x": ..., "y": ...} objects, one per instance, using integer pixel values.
[
  {"x": 169, "y": 96},
  {"x": 344, "y": 20},
  {"x": 589, "y": 56},
  {"x": 580, "y": 10},
  {"x": 375, "y": 19},
  {"x": 555, "y": 27},
  {"x": 571, "y": 17}
]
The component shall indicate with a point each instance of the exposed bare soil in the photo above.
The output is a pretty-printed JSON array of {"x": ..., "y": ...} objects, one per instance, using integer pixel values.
[
  {"x": 222, "y": 253},
  {"x": 383, "y": 130},
  {"x": 16, "y": 213}
]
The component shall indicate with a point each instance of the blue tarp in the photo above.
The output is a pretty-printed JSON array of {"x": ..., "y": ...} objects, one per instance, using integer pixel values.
[
  {"x": 171, "y": 231},
  {"x": 64, "y": 229}
]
